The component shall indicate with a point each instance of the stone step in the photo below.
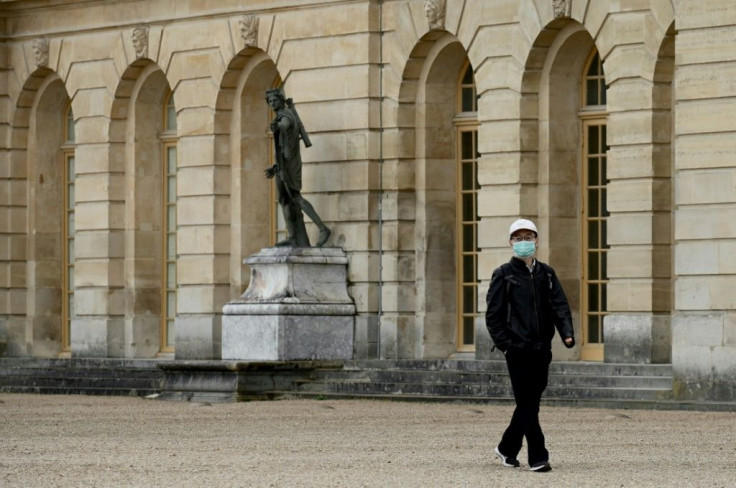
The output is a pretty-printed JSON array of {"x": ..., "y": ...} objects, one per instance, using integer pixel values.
[
  {"x": 475, "y": 390},
  {"x": 111, "y": 373},
  {"x": 92, "y": 382},
  {"x": 80, "y": 376},
  {"x": 81, "y": 363},
  {"x": 460, "y": 377},
  {"x": 556, "y": 367},
  {"x": 619, "y": 404},
  {"x": 79, "y": 390}
]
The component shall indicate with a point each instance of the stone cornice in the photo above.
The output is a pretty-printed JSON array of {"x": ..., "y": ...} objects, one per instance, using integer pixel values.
[{"x": 13, "y": 12}]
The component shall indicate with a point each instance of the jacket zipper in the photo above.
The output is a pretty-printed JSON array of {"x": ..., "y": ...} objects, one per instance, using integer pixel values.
[{"x": 534, "y": 294}]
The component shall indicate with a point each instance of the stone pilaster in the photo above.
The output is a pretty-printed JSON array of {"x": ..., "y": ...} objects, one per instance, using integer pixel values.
[
  {"x": 203, "y": 264},
  {"x": 704, "y": 329},
  {"x": 640, "y": 188},
  {"x": 98, "y": 329}
]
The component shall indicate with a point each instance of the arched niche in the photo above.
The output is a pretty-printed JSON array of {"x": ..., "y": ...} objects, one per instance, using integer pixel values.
[
  {"x": 436, "y": 199},
  {"x": 136, "y": 150},
  {"x": 245, "y": 145},
  {"x": 45, "y": 218}
]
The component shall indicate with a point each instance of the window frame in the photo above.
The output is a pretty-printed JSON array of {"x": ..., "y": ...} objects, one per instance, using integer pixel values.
[
  {"x": 169, "y": 140},
  {"x": 67, "y": 154},
  {"x": 465, "y": 122},
  {"x": 592, "y": 115}
]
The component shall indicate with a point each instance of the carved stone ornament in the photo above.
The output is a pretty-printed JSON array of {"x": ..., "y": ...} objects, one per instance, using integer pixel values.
[
  {"x": 561, "y": 8},
  {"x": 249, "y": 30},
  {"x": 435, "y": 10},
  {"x": 41, "y": 52},
  {"x": 140, "y": 42}
]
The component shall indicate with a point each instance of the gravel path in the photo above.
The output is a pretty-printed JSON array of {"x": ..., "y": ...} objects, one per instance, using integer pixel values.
[{"x": 76, "y": 441}]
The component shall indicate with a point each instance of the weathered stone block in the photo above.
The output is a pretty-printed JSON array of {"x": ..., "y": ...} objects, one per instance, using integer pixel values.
[
  {"x": 287, "y": 337},
  {"x": 296, "y": 307},
  {"x": 697, "y": 329},
  {"x": 201, "y": 299},
  {"x": 97, "y": 337},
  {"x": 637, "y": 338},
  {"x": 198, "y": 337},
  {"x": 720, "y": 185}
]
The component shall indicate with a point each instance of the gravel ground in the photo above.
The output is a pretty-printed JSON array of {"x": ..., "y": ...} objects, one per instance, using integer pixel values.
[{"x": 57, "y": 441}]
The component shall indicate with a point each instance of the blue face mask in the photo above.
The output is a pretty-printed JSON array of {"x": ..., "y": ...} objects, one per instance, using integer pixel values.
[{"x": 524, "y": 249}]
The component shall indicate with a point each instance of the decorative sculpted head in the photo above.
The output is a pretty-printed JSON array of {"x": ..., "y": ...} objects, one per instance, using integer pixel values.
[
  {"x": 435, "y": 10},
  {"x": 41, "y": 52},
  {"x": 249, "y": 30},
  {"x": 140, "y": 42},
  {"x": 561, "y": 8}
]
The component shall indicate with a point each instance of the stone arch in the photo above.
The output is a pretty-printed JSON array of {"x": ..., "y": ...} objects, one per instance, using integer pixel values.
[
  {"x": 136, "y": 151},
  {"x": 663, "y": 132},
  {"x": 244, "y": 146},
  {"x": 36, "y": 218},
  {"x": 663, "y": 218},
  {"x": 426, "y": 192},
  {"x": 550, "y": 100}
]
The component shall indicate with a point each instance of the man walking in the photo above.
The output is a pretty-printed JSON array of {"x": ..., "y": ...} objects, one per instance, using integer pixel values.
[{"x": 525, "y": 303}]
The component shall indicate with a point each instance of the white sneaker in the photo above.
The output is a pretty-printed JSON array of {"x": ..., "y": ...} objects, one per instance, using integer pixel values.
[
  {"x": 507, "y": 461},
  {"x": 542, "y": 467}
]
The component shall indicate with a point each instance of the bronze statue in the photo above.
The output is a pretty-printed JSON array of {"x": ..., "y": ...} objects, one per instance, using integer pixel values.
[{"x": 287, "y": 130}]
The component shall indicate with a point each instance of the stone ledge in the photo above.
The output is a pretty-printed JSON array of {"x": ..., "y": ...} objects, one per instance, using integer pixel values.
[{"x": 299, "y": 308}]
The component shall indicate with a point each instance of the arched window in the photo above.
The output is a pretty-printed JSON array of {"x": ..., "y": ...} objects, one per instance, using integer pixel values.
[
  {"x": 466, "y": 126},
  {"x": 594, "y": 209},
  {"x": 67, "y": 154},
  {"x": 168, "y": 285}
]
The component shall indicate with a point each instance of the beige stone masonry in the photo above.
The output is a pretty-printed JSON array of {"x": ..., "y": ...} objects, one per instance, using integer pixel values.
[
  {"x": 639, "y": 161},
  {"x": 706, "y": 116},
  {"x": 363, "y": 267},
  {"x": 499, "y": 73},
  {"x": 704, "y": 151},
  {"x": 720, "y": 185},
  {"x": 202, "y": 238},
  {"x": 705, "y": 222},
  {"x": 692, "y": 14},
  {"x": 705, "y": 292},
  {"x": 704, "y": 45},
  {"x": 195, "y": 300},
  {"x": 636, "y": 261},
  {"x": 706, "y": 257},
  {"x": 510, "y": 200},
  {"x": 696, "y": 83},
  {"x": 638, "y": 195},
  {"x": 202, "y": 269}
]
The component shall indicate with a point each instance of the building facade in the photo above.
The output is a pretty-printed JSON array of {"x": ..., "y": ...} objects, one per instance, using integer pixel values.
[{"x": 135, "y": 139}]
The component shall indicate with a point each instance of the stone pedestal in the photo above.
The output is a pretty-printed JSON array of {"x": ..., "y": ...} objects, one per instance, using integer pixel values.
[{"x": 296, "y": 307}]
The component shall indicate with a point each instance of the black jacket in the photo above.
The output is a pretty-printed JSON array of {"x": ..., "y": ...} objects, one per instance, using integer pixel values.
[{"x": 524, "y": 308}]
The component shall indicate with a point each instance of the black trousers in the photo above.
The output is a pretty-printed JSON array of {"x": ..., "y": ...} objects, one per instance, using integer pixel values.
[{"x": 529, "y": 371}]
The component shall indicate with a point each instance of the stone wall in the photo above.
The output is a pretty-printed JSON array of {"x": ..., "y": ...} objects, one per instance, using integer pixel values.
[
  {"x": 374, "y": 83},
  {"x": 703, "y": 329}
]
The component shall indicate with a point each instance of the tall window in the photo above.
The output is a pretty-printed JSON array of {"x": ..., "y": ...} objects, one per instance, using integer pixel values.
[
  {"x": 466, "y": 124},
  {"x": 168, "y": 286},
  {"x": 595, "y": 210},
  {"x": 67, "y": 152}
]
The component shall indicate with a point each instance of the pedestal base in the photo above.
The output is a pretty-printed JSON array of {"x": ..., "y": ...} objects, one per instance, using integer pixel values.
[
  {"x": 286, "y": 337},
  {"x": 296, "y": 307}
]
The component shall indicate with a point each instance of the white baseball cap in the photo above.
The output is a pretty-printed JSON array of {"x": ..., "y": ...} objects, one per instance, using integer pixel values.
[{"x": 523, "y": 224}]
